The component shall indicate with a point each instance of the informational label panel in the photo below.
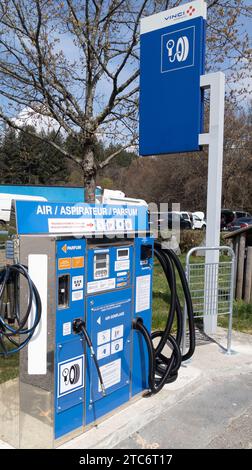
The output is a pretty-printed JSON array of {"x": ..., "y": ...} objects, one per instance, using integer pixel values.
[
  {"x": 111, "y": 374},
  {"x": 98, "y": 286},
  {"x": 143, "y": 286},
  {"x": 171, "y": 63}
]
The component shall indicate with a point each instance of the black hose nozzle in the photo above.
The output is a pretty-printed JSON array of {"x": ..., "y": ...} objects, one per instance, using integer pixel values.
[{"x": 78, "y": 325}]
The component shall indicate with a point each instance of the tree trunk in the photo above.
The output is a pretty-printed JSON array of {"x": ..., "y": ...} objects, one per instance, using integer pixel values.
[{"x": 89, "y": 173}]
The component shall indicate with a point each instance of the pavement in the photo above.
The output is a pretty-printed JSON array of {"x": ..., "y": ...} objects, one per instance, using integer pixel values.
[{"x": 209, "y": 406}]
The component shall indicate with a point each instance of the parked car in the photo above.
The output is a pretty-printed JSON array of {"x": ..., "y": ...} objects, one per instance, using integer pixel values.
[
  {"x": 198, "y": 224},
  {"x": 186, "y": 216},
  {"x": 239, "y": 214},
  {"x": 240, "y": 222},
  {"x": 5, "y": 205},
  {"x": 199, "y": 214},
  {"x": 228, "y": 216},
  {"x": 169, "y": 220},
  {"x": 178, "y": 219}
]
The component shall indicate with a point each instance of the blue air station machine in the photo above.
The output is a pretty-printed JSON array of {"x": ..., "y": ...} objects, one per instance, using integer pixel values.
[{"x": 76, "y": 307}]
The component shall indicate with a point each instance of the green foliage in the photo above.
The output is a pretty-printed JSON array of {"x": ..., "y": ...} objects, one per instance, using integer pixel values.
[
  {"x": 161, "y": 296},
  {"x": 242, "y": 317},
  {"x": 27, "y": 160},
  {"x": 107, "y": 183},
  {"x": 191, "y": 238},
  {"x": 8, "y": 368},
  {"x": 242, "y": 312},
  {"x": 123, "y": 159}
]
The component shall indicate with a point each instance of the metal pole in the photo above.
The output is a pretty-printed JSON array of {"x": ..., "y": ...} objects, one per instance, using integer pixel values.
[
  {"x": 214, "y": 140},
  {"x": 231, "y": 302},
  {"x": 185, "y": 311}
]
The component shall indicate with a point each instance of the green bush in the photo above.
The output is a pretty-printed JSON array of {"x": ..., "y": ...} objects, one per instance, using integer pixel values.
[{"x": 190, "y": 238}]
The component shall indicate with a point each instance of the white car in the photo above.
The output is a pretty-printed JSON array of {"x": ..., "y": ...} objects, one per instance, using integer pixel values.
[
  {"x": 5, "y": 205},
  {"x": 199, "y": 222}
]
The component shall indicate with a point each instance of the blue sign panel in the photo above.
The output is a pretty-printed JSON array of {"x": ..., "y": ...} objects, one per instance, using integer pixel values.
[
  {"x": 43, "y": 217},
  {"x": 172, "y": 61}
]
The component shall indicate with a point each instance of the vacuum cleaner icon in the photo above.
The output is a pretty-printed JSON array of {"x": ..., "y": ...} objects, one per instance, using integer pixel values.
[{"x": 180, "y": 51}]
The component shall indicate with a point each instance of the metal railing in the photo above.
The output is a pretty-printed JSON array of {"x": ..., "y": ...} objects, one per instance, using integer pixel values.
[{"x": 212, "y": 288}]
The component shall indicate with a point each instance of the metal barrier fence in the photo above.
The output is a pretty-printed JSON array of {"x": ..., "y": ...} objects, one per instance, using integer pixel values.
[{"x": 212, "y": 288}]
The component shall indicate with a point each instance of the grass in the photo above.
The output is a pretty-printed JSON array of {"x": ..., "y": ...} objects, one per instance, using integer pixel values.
[
  {"x": 8, "y": 368},
  {"x": 242, "y": 317},
  {"x": 161, "y": 297},
  {"x": 242, "y": 312}
]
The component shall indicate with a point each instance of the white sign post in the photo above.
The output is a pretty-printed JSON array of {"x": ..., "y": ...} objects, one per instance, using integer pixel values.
[{"x": 214, "y": 140}]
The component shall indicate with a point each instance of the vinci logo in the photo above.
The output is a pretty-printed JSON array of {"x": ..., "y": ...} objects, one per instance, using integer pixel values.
[
  {"x": 181, "y": 14},
  {"x": 177, "y": 49},
  {"x": 191, "y": 10}
]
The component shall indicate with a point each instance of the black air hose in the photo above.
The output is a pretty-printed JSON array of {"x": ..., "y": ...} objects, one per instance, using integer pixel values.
[
  {"x": 79, "y": 327},
  {"x": 163, "y": 369},
  {"x": 9, "y": 276}
]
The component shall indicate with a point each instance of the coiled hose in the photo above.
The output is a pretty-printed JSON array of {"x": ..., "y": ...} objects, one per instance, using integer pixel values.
[
  {"x": 163, "y": 369},
  {"x": 13, "y": 325}
]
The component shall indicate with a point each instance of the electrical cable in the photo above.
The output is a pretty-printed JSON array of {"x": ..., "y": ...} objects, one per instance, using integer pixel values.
[
  {"x": 163, "y": 369},
  {"x": 10, "y": 275},
  {"x": 79, "y": 327}
]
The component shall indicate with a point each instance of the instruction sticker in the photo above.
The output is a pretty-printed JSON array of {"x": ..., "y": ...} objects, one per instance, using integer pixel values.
[
  {"x": 117, "y": 332},
  {"x": 103, "y": 351},
  {"x": 122, "y": 265},
  {"x": 111, "y": 374},
  {"x": 64, "y": 263},
  {"x": 66, "y": 328},
  {"x": 78, "y": 262},
  {"x": 128, "y": 224},
  {"x": 117, "y": 346},
  {"x": 143, "y": 286},
  {"x": 103, "y": 284},
  {"x": 77, "y": 295},
  {"x": 103, "y": 337},
  {"x": 119, "y": 224},
  {"x": 70, "y": 225},
  {"x": 77, "y": 282},
  {"x": 70, "y": 375}
]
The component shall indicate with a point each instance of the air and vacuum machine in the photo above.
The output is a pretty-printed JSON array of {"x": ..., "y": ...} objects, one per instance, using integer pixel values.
[{"x": 76, "y": 317}]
